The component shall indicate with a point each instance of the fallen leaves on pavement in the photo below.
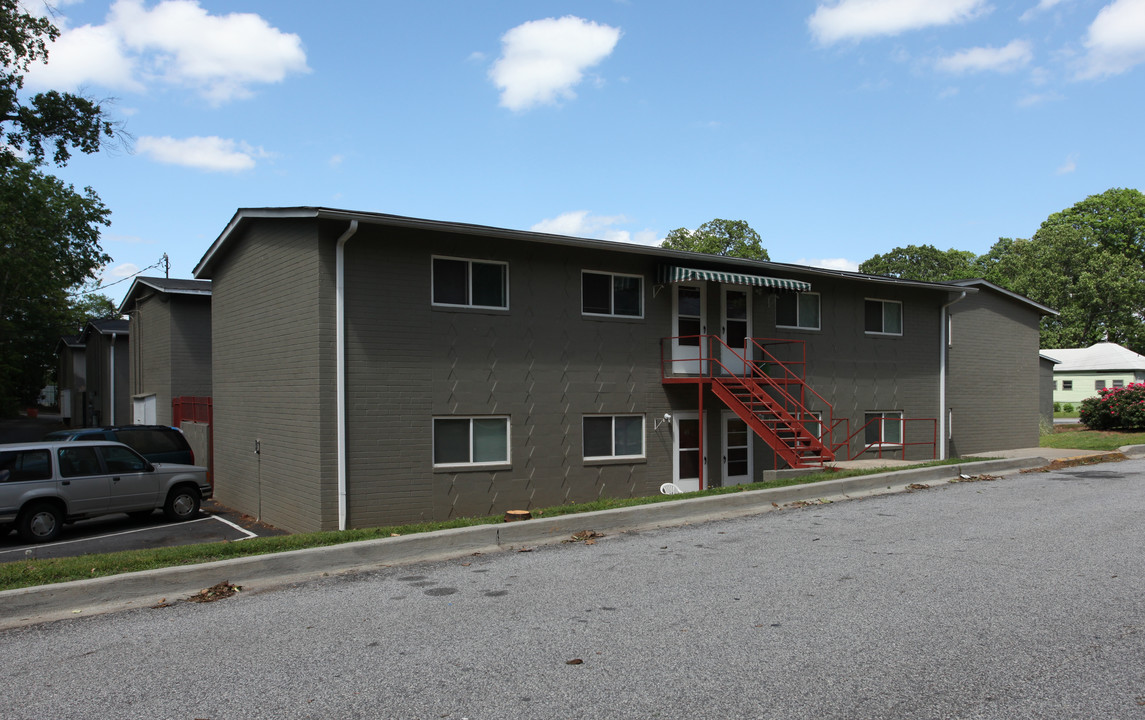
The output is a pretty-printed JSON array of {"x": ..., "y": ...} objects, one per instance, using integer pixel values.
[
  {"x": 588, "y": 537},
  {"x": 215, "y": 592}
]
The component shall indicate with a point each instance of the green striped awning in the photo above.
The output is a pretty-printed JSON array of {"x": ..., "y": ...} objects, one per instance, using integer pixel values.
[{"x": 675, "y": 274}]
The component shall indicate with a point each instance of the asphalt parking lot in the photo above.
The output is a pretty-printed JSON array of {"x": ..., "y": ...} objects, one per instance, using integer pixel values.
[{"x": 114, "y": 533}]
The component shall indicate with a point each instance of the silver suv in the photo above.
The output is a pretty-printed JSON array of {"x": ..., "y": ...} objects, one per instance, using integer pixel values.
[{"x": 45, "y": 484}]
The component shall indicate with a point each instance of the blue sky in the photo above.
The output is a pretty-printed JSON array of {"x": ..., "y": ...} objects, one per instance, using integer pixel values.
[{"x": 837, "y": 128}]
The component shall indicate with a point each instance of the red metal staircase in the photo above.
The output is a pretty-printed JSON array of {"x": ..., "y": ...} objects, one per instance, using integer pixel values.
[{"x": 784, "y": 431}]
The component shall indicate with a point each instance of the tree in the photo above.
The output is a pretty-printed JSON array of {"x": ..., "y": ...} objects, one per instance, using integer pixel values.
[
  {"x": 49, "y": 232},
  {"x": 1099, "y": 293},
  {"x": 62, "y": 121},
  {"x": 731, "y": 238},
  {"x": 1115, "y": 220},
  {"x": 923, "y": 262},
  {"x": 49, "y": 243}
]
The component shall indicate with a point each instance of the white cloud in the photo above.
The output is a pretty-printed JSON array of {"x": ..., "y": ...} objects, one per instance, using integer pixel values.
[
  {"x": 176, "y": 42},
  {"x": 1039, "y": 98},
  {"x": 1115, "y": 41},
  {"x": 1042, "y": 6},
  {"x": 830, "y": 263},
  {"x": 123, "y": 270},
  {"x": 214, "y": 154},
  {"x": 542, "y": 60},
  {"x": 1068, "y": 166},
  {"x": 336, "y": 160},
  {"x": 579, "y": 223},
  {"x": 1006, "y": 59},
  {"x": 861, "y": 19}
]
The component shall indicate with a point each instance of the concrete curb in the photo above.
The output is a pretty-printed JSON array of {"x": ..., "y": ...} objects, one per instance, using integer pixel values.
[{"x": 147, "y": 588}]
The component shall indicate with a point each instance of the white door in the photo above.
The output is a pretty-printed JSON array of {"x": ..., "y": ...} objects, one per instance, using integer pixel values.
[
  {"x": 686, "y": 452},
  {"x": 737, "y": 439},
  {"x": 688, "y": 313},
  {"x": 735, "y": 321},
  {"x": 144, "y": 410}
]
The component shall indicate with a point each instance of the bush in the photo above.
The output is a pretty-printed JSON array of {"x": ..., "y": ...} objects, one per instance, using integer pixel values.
[
  {"x": 1068, "y": 407},
  {"x": 1057, "y": 407},
  {"x": 1115, "y": 408}
]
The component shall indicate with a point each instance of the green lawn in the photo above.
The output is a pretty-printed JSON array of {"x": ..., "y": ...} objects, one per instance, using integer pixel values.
[
  {"x": 26, "y": 573},
  {"x": 1079, "y": 438}
]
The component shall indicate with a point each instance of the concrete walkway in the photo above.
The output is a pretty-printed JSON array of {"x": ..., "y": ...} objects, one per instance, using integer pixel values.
[{"x": 28, "y": 606}]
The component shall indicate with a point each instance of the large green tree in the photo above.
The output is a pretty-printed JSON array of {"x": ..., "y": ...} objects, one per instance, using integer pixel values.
[
  {"x": 732, "y": 238},
  {"x": 1115, "y": 220},
  {"x": 1099, "y": 293},
  {"x": 49, "y": 232},
  {"x": 923, "y": 262}
]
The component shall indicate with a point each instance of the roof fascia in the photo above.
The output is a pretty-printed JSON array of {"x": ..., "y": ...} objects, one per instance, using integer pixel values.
[
  {"x": 1045, "y": 310},
  {"x": 203, "y": 269}
]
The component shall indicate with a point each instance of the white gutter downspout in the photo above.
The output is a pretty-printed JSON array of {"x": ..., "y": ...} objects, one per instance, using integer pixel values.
[
  {"x": 111, "y": 378},
  {"x": 942, "y": 414},
  {"x": 340, "y": 315}
]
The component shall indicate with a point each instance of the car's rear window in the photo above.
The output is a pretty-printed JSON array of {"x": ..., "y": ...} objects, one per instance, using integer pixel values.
[
  {"x": 150, "y": 442},
  {"x": 21, "y": 465}
]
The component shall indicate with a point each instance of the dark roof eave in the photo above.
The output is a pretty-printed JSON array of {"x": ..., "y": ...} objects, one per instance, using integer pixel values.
[
  {"x": 205, "y": 266},
  {"x": 164, "y": 285}
]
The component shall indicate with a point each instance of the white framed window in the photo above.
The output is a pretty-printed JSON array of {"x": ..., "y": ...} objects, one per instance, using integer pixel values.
[
  {"x": 458, "y": 282},
  {"x": 883, "y": 317},
  {"x": 797, "y": 310},
  {"x": 813, "y": 421},
  {"x": 883, "y": 427},
  {"x": 470, "y": 441},
  {"x": 607, "y": 437},
  {"x": 611, "y": 294}
]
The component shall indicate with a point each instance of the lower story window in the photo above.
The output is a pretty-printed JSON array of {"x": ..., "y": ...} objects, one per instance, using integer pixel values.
[
  {"x": 470, "y": 441},
  {"x": 613, "y": 436},
  {"x": 883, "y": 427},
  {"x": 1067, "y": 384}
]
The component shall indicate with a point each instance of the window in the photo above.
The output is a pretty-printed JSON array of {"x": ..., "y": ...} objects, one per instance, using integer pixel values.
[
  {"x": 800, "y": 310},
  {"x": 883, "y": 428},
  {"x": 79, "y": 461},
  {"x": 23, "y": 465},
  {"x": 1067, "y": 384},
  {"x": 470, "y": 441},
  {"x": 1118, "y": 383},
  {"x": 813, "y": 422},
  {"x": 613, "y": 436},
  {"x": 611, "y": 294},
  {"x": 1098, "y": 384},
  {"x": 122, "y": 460},
  {"x": 884, "y": 317},
  {"x": 470, "y": 283},
  {"x": 1055, "y": 384}
]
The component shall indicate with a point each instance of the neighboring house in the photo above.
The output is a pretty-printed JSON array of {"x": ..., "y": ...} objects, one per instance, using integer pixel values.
[
  {"x": 170, "y": 330},
  {"x": 374, "y": 369},
  {"x": 1083, "y": 372},
  {"x": 71, "y": 371},
  {"x": 108, "y": 398},
  {"x": 996, "y": 380}
]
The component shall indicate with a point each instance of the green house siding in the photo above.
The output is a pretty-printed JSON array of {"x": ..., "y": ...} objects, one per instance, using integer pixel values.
[{"x": 1085, "y": 384}]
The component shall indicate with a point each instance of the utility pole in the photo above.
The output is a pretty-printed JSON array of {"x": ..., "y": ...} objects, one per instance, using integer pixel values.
[{"x": 166, "y": 266}]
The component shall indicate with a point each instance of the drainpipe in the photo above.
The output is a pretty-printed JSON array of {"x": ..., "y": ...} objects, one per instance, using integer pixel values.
[
  {"x": 942, "y": 439},
  {"x": 111, "y": 377},
  {"x": 340, "y": 321}
]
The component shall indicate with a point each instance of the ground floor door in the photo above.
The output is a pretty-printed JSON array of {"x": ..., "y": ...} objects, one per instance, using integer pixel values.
[
  {"x": 736, "y": 445},
  {"x": 687, "y": 459}
]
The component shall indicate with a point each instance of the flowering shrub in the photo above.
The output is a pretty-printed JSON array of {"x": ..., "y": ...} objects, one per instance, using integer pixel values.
[{"x": 1115, "y": 408}]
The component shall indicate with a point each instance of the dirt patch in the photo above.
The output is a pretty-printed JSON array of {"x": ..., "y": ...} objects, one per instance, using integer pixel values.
[
  {"x": 1079, "y": 461},
  {"x": 215, "y": 592}
]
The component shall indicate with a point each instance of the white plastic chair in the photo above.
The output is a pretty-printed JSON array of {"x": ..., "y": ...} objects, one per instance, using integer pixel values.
[{"x": 670, "y": 489}]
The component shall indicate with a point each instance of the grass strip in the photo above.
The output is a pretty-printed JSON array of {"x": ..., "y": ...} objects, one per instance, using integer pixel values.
[
  {"x": 1077, "y": 437},
  {"x": 32, "y": 572}
]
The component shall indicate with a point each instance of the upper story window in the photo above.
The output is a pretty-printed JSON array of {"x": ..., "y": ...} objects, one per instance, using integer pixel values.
[
  {"x": 611, "y": 294},
  {"x": 883, "y": 317},
  {"x": 470, "y": 283},
  {"x": 797, "y": 310}
]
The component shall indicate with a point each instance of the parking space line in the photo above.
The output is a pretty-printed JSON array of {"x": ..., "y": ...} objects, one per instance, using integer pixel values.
[
  {"x": 23, "y": 548},
  {"x": 241, "y": 529}
]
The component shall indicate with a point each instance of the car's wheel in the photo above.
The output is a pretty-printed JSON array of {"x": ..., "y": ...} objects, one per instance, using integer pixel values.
[
  {"x": 182, "y": 503},
  {"x": 40, "y": 522}
]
